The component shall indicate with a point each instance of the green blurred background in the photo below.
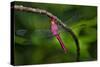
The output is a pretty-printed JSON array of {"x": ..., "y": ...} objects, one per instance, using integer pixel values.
[{"x": 35, "y": 44}]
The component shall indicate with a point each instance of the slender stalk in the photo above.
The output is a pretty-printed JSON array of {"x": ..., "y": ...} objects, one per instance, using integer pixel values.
[{"x": 44, "y": 12}]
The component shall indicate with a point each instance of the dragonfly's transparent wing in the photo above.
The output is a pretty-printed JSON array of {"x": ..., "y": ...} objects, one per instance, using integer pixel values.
[{"x": 44, "y": 33}]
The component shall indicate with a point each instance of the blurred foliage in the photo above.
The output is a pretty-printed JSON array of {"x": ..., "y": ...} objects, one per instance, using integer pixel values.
[{"x": 35, "y": 44}]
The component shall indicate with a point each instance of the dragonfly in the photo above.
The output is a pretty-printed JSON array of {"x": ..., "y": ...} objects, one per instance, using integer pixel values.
[{"x": 54, "y": 30}]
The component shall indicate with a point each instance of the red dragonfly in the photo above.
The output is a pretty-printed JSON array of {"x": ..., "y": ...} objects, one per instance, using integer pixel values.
[{"x": 54, "y": 30}]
